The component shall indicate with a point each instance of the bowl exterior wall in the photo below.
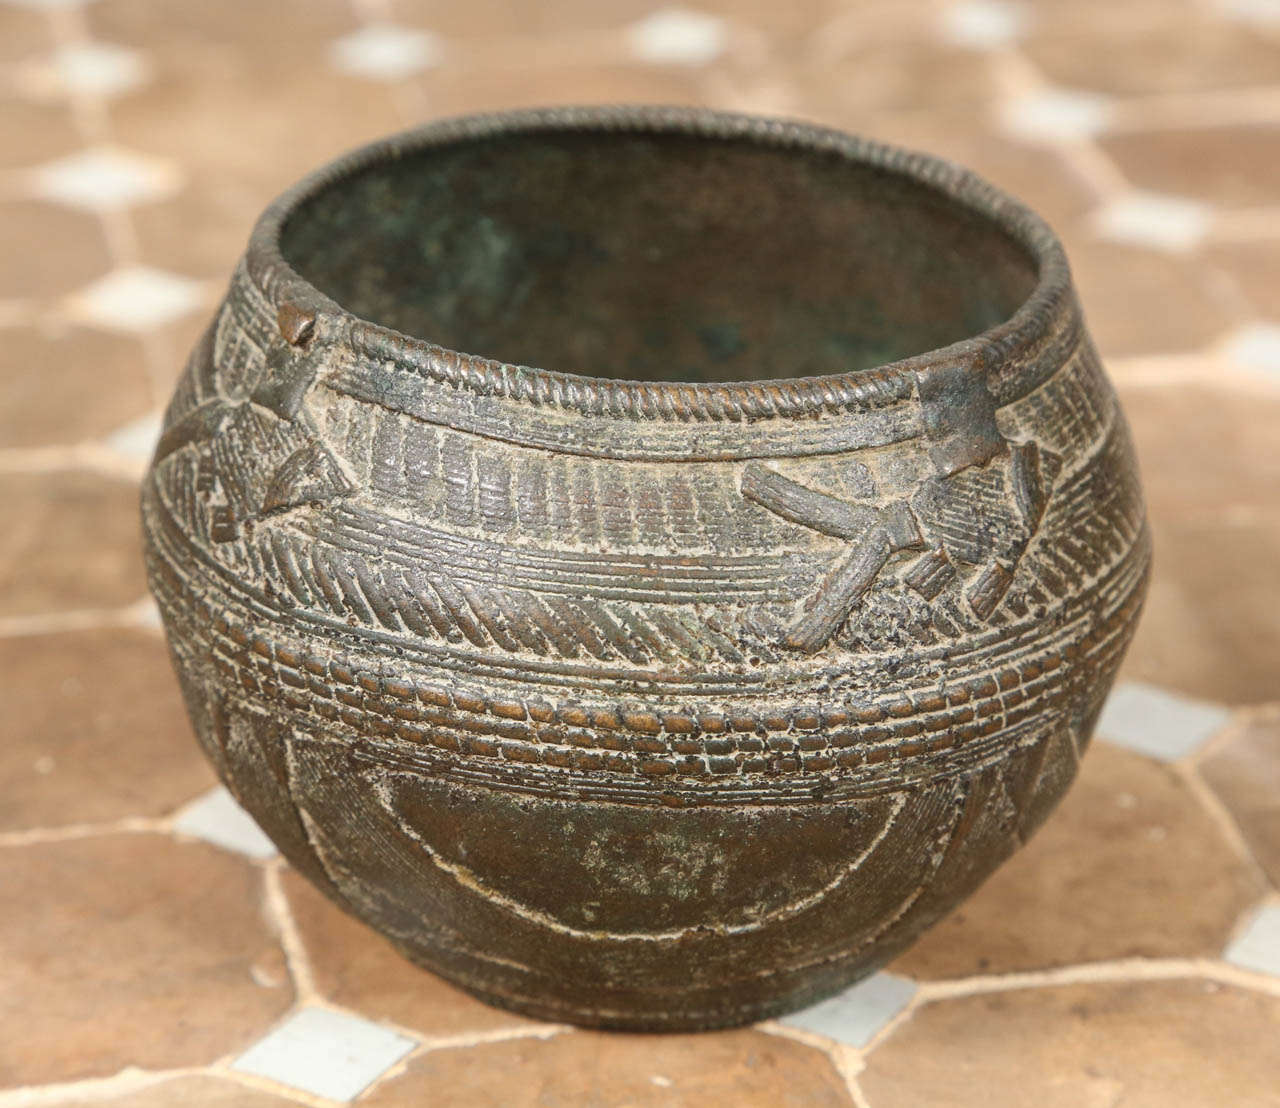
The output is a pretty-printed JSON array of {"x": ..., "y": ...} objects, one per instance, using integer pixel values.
[{"x": 663, "y": 718}]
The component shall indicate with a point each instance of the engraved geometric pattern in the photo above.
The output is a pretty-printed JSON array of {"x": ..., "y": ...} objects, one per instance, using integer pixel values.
[
  {"x": 453, "y": 586},
  {"x": 1131, "y": 952}
]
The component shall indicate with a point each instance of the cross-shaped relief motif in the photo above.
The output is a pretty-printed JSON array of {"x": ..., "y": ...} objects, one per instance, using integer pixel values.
[{"x": 976, "y": 514}]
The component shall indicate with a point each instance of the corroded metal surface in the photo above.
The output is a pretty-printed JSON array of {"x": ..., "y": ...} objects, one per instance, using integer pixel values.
[{"x": 659, "y": 703}]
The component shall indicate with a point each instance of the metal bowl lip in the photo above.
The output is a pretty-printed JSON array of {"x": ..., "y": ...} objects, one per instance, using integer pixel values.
[{"x": 1014, "y": 341}]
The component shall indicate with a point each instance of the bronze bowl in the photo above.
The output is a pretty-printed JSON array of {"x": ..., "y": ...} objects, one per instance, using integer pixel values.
[{"x": 689, "y": 679}]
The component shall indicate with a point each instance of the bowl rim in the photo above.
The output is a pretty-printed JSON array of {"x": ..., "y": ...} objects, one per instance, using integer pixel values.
[{"x": 1017, "y": 341}]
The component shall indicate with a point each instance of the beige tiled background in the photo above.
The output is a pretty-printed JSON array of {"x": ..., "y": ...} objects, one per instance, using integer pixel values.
[{"x": 155, "y": 951}]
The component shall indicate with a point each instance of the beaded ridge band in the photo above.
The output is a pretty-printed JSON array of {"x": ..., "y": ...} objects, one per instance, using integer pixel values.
[{"x": 646, "y": 704}]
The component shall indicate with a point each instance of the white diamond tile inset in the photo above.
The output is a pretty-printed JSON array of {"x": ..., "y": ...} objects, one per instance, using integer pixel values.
[
  {"x": 1257, "y": 947},
  {"x": 218, "y": 819},
  {"x": 678, "y": 36},
  {"x": 103, "y": 179},
  {"x": 137, "y": 299},
  {"x": 1256, "y": 346},
  {"x": 385, "y": 52},
  {"x": 983, "y": 24},
  {"x": 93, "y": 69},
  {"x": 858, "y": 1014},
  {"x": 1263, "y": 12},
  {"x": 1170, "y": 223},
  {"x": 137, "y": 439},
  {"x": 329, "y": 1054},
  {"x": 1056, "y": 115},
  {"x": 147, "y": 614},
  {"x": 48, "y": 5},
  {"x": 1156, "y": 723}
]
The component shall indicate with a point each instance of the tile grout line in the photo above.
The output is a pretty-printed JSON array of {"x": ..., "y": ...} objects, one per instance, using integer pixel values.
[
  {"x": 856, "y": 1094},
  {"x": 67, "y": 29},
  {"x": 847, "y": 1060},
  {"x": 1271, "y": 900},
  {"x": 295, "y": 952},
  {"x": 484, "y": 1038},
  {"x": 1207, "y": 108},
  {"x": 123, "y": 244},
  {"x": 93, "y": 1089},
  {"x": 1121, "y": 971},
  {"x": 427, "y": 1044},
  {"x": 849, "y": 1063},
  {"x": 138, "y": 615},
  {"x": 1243, "y": 225},
  {"x": 1211, "y": 804},
  {"x": 89, "y": 454},
  {"x": 1243, "y": 718},
  {"x": 1018, "y": 76},
  {"x": 93, "y": 121},
  {"x": 223, "y": 1070},
  {"x": 407, "y": 98},
  {"x": 1209, "y": 366},
  {"x": 1224, "y": 973},
  {"x": 130, "y": 825}
]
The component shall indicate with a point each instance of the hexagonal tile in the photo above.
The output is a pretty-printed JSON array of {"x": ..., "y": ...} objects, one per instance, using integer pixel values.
[
  {"x": 130, "y": 950},
  {"x": 853, "y": 85},
  {"x": 640, "y": 1071},
  {"x": 498, "y": 87},
  {"x": 49, "y": 250},
  {"x": 487, "y": 20},
  {"x": 1141, "y": 301},
  {"x": 1184, "y": 52},
  {"x": 1208, "y": 456},
  {"x": 34, "y": 131},
  {"x": 189, "y": 1092},
  {"x": 1134, "y": 1043},
  {"x": 1231, "y": 166},
  {"x": 1129, "y": 866},
  {"x": 209, "y": 120},
  {"x": 1245, "y": 773},
  {"x": 1252, "y": 265},
  {"x": 68, "y": 385},
  {"x": 1211, "y": 628},
  {"x": 201, "y": 231},
  {"x": 243, "y": 37},
  {"x": 1212, "y": 622},
  {"x": 93, "y": 729},
  {"x": 68, "y": 540},
  {"x": 1038, "y": 176},
  {"x": 23, "y": 32},
  {"x": 358, "y": 969}
]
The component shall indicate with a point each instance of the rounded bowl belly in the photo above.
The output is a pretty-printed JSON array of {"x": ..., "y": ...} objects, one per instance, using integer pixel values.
[{"x": 650, "y": 704}]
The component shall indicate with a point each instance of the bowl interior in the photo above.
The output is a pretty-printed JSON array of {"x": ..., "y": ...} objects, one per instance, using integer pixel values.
[{"x": 657, "y": 256}]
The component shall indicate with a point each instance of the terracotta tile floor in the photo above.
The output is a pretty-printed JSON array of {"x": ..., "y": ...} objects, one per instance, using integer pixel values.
[{"x": 155, "y": 951}]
